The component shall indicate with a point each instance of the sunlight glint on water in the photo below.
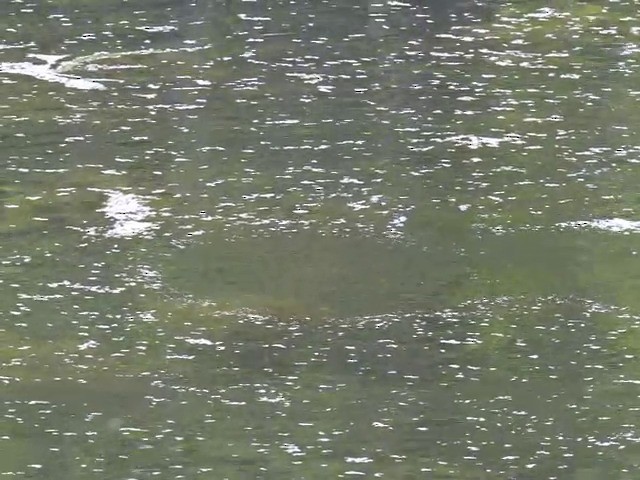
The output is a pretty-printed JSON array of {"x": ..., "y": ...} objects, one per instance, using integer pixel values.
[{"x": 336, "y": 240}]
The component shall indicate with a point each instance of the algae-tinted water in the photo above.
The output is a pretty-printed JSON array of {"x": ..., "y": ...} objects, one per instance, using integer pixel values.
[{"x": 319, "y": 240}]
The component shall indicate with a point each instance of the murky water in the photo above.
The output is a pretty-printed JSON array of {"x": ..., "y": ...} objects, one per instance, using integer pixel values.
[{"x": 319, "y": 240}]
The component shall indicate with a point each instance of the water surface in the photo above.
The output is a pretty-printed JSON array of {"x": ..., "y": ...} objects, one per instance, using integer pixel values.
[{"x": 319, "y": 240}]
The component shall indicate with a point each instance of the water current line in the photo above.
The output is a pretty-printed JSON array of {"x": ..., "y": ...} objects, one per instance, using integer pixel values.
[{"x": 54, "y": 69}]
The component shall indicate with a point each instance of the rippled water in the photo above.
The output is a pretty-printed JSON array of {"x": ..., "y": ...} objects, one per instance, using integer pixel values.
[{"x": 319, "y": 239}]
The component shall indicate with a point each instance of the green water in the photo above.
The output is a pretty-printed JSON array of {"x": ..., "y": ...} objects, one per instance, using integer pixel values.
[{"x": 309, "y": 240}]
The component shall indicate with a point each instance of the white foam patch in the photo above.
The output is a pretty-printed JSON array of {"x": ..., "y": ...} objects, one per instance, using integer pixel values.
[
  {"x": 46, "y": 73},
  {"x": 475, "y": 142},
  {"x": 130, "y": 214},
  {"x": 607, "y": 224}
]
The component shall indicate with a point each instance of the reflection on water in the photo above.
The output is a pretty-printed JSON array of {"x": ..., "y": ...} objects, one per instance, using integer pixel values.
[{"x": 252, "y": 240}]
